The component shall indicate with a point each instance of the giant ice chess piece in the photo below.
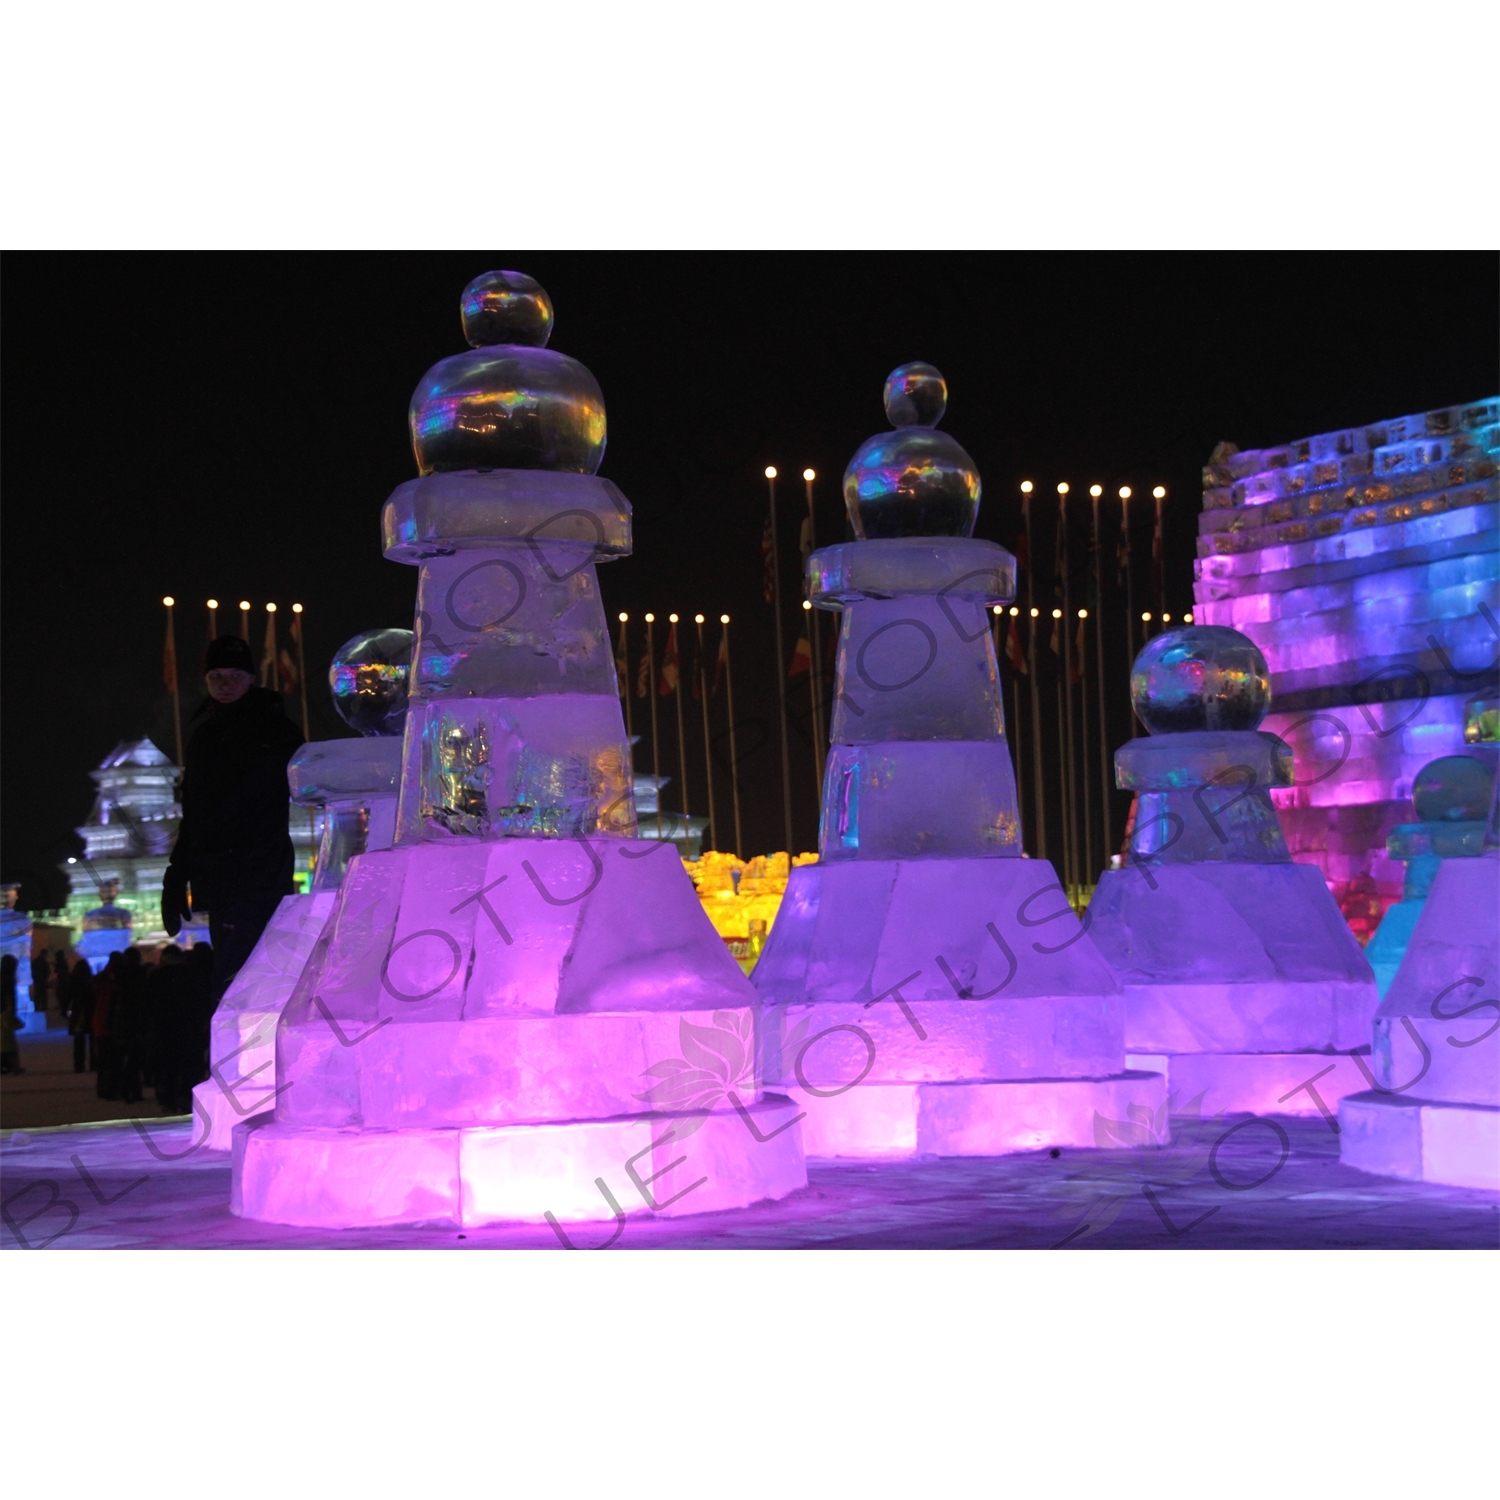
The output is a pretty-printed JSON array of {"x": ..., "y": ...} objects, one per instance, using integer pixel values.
[
  {"x": 1242, "y": 980},
  {"x": 497, "y": 997},
  {"x": 1432, "y": 1112},
  {"x": 926, "y": 989},
  {"x": 1451, "y": 796},
  {"x": 353, "y": 783}
]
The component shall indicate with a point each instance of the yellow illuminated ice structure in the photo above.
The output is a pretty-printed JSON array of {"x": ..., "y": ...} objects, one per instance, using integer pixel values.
[{"x": 742, "y": 897}]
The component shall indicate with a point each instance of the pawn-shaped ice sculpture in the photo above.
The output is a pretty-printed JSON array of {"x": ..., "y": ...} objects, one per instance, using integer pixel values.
[
  {"x": 352, "y": 784},
  {"x": 1242, "y": 980},
  {"x": 922, "y": 959},
  {"x": 1452, "y": 798},
  {"x": 520, "y": 1011},
  {"x": 1432, "y": 1109}
]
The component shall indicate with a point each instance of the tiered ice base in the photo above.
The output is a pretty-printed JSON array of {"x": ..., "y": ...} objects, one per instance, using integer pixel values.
[
  {"x": 242, "y": 1036},
  {"x": 1434, "y": 1111},
  {"x": 947, "y": 1007},
  {"x": 1242, "y": 983},
  {"x": 486, "y": 1029}
]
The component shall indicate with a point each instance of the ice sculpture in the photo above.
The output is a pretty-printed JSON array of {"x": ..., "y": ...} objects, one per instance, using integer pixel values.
[
  {"x": 1451, "y": 796},
  {"x": 355, "y": 783},
  {"x": 501, "y": 1001},
  {"x": 1365, "y": 564},
  {"x": 15, "y": 939},
  {"x": 925, "y": 988},
  {"x": 1432, "y": 1112},
  {"x": 1242, "y": 981}
]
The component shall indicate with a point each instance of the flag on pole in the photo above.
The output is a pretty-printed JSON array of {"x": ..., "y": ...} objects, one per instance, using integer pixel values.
[
  {"x": 720, "y": 662},
  {"x": 1055, "y": 644},
  {"x": 643, "y": 679},
  {"x": 1013, "y": 652},
  {"x": 622, "y": 662},
  {"x": 805, "y": 538},
  {"x": 801, "y": 658},
  {"x": 169, "y": 658},
  {"x": 268, "y": 656},
  {"x": 667, "y": 684},
  {"x": 288, "y": 667},
  {"x": 768, "y": 553}
]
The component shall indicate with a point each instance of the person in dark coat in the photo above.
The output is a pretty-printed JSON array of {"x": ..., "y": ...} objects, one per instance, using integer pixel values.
[
  {"x": 107, "y": 1047},
  {"x": 128, "y": 1024},
  {"x": 175, "y": 1032},
  {"x": 10, "y": 1021},
  {"x": 233, "y": 851},
  {"x": 78, "y": 997}
]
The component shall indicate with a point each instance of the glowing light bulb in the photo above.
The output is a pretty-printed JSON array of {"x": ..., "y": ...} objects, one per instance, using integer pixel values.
[
  {"x": 723, "y": 619},
  {"x": 244, "y": 604},
  {"x": 1083, "y": 614},
  {"x": 1159, "y": 493},
  {"x": 71, "y": 860},
  {"x": 1057, "y": 614},
  {"x": 808, "y": 475},
  {"x": 296, "y": 609},
  {"x": 270, "y": 609},
  {"x": 998, "y": 609},
  {"x": 169, "y": 601},
  {"x": 1026, "y": 486},
  {"x": 214, "y": 604},
  {"x": 697, "y": 619},
  {"x": 1147, "y": 616},
  {"x": 623, "y": 617},
  {"x": 770, "y": 471},
  {"x": 807, "y": 604},
  {"x": 1034, "y": 612},
  {"x": 1166, "y": 619},
  {"x": 1014, "y": 611},
  {"x": 1096, "y": 490},
  {"x": 672, "y": 618},
  {"x": 1124, "y": 492},
  {"x": 1187, "y": 619},
  {"x": 1062, "y": 489},
  {"x": 651, "y": 619}
]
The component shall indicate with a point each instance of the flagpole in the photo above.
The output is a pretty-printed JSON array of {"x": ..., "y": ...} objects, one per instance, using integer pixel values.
[
  {"x": 623, "y": 653},
  {"x": 786, "y": 754},
  {"x": 1062, "y": 765},
  {"x": 1083, "y": 753},
  {"x": 1069, "y": 766},
  {"x": 268, "y": 654},
  {"x": 1129, "y": 605},
  {"x": 681, "y": 740},
  {"x": 708, "y": 764},
  {"x": 734, "y": 761},
  {"x": 301, "y": 669},
  {"x": 655, "y": 738},
  {"x": 1037, "y": 783},
  {"x": 245, "y": 619},
  {"x": 1095, "y": 492},
  {"x": 1158, "y": 585},
  {"x": 820, "y": 748},
  {"x": 213, "y": 619},
  {"x": 171, "y": 673}
]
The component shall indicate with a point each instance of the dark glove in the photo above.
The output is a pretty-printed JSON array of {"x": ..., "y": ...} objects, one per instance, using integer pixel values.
[{"x": 174, "y": 901}]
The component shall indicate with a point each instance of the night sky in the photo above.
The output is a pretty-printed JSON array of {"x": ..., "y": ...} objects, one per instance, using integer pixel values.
[{"x": 230, "y": 425}]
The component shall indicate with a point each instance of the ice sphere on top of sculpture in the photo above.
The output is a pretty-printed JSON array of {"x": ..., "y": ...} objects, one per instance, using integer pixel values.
[
  {"x": 1453, "y": 789},
  {"x": 1200, "y": 677},
  {"x": 507, "y": 403},
  {"x": 369, "y": 678},
  {"x": 915, "y": 481},
  {"x": 506, "y": 307}
]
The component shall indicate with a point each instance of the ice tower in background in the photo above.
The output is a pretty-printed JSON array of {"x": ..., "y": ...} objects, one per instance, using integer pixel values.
[
  {"x": 926, "y": 989},
  {"x": 1364, "y": 564},
  {"x": 484, "y": 1029}
]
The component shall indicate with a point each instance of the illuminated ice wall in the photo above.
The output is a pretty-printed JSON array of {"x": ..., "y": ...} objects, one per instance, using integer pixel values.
[{"x": 1364, "y": 564}]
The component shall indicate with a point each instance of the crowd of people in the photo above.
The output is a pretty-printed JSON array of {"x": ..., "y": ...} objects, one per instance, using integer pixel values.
[{"x": 136, "y": 1026}]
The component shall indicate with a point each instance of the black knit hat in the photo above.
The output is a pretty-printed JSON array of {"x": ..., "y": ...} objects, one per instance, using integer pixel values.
[{"x": 229, "y": 651}]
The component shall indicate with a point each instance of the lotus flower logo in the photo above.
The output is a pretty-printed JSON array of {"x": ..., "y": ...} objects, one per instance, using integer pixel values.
[{"x": 715, "y": 1059}]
